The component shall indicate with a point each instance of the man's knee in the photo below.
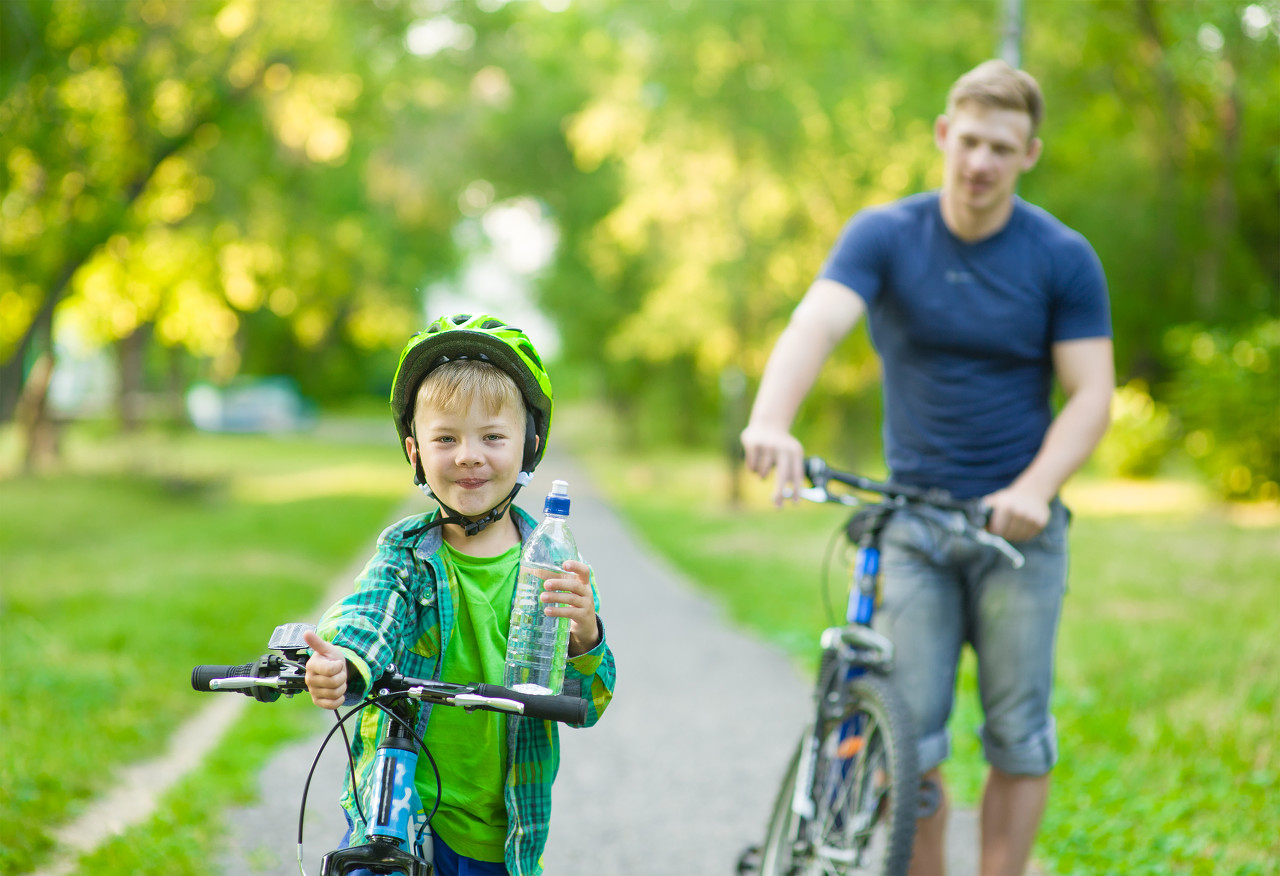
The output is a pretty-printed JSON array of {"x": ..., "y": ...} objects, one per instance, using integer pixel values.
[{"x": 1019, "y": 751}]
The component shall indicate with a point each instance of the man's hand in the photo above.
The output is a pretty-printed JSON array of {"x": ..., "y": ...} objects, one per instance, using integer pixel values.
[
  {"x": 767, "y": 449},
  {"x": 569, "y": 595},
  {"x": 326, "y": 672},
  {"x": 1016, "y": 515}
]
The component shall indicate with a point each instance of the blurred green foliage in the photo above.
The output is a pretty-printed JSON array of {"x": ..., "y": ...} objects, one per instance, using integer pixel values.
[
  {"x": 1226, "y": 389},
  {"x": 1141, "y": 433},
  {"x": 214, "y": 187}
]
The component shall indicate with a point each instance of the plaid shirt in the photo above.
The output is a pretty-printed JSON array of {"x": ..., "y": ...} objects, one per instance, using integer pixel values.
[{"x": 400, "y": 615}]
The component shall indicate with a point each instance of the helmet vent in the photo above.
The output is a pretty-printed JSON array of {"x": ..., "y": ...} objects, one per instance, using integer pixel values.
[
  {"x": 529, "y": 351},
  {"x": 494, "y": 324},
  {"x": 460, "y": 318}
]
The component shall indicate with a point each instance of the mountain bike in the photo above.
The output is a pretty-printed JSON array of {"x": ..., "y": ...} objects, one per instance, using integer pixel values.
[
  {"x": 851, "y": 796},
  {"x": 398, "y": 830}
]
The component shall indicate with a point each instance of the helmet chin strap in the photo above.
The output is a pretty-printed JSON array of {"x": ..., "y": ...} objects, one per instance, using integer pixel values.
[{"x": 470, "y": 526}]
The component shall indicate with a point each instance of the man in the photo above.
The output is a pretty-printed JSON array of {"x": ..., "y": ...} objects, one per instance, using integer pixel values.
[{"x": 976, "y": 301}]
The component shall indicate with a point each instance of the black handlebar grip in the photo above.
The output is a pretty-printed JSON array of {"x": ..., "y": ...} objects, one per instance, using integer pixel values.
[
  {"x": 570, "y": 710},
  {"x": 201, "y": 676}
]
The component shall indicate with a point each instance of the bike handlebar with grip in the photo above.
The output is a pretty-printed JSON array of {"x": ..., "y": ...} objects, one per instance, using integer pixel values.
[
  {"x": 570, "y": 710},
  {"x": 817, "y": 470},
  {"x": 202, "y": 676}
]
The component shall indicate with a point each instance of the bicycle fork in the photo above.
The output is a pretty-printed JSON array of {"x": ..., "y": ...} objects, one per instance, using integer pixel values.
[{"x": 835, "y": 673}]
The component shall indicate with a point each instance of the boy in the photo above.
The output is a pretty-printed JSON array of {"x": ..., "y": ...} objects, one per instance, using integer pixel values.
[{"x": 472, "y": 404}]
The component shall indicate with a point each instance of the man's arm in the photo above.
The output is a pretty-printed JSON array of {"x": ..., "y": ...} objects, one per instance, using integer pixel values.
[
  {"x": 1086, "y": 371},
  {"x": 828, "y": 312}
]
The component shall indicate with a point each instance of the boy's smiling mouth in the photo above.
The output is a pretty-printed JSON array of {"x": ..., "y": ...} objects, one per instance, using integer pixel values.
[{"x": 472, "y": 483}]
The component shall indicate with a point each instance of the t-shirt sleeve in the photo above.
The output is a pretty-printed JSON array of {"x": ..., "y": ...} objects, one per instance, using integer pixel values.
[
  {"x": 1081, "y": 306},
  {"x": 857, "y": 258}
]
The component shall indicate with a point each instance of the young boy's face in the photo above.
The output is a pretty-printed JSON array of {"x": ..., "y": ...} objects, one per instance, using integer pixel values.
[{"x": 470, "y": 457}]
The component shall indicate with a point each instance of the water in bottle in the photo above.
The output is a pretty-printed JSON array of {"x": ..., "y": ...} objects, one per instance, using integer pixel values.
[{"x": 537, "y": 645}]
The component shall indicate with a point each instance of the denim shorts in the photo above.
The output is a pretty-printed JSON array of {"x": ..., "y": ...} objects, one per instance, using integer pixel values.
[{"x": 941, "y": 590}]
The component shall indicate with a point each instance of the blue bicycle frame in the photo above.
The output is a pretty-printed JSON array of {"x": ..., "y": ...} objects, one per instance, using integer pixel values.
[{"x": 398, "y": 841}]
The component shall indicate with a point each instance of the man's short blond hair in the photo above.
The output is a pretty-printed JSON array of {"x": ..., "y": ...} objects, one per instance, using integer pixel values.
[
  {"x": 454, "y": 386},
  {"x": 996, "y": 84}
]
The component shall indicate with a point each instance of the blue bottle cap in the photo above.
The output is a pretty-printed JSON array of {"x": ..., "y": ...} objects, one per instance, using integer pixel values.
[{"x": 558, "y": 499}]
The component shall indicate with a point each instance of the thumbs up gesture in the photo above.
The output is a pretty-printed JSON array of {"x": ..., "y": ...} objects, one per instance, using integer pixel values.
[{"x": 326, "y": 672}]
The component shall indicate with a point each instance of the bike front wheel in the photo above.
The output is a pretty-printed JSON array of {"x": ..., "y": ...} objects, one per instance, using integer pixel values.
[{"x": 858, "y": 813}]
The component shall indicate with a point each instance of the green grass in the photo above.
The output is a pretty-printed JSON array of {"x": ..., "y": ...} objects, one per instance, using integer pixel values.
[
  {"x": 1168, "y": 659},
  {"x": 187, "y": 831},
  {"x": 143, "y": 558}
]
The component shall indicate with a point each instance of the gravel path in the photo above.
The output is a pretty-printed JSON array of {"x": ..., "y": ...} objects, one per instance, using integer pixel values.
[{"x": 675, "y": 780}]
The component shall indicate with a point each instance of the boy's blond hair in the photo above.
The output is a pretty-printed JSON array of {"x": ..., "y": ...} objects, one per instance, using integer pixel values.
[
  {"x": 454, "y": 386},
  {"x": 996, "y": 84}
]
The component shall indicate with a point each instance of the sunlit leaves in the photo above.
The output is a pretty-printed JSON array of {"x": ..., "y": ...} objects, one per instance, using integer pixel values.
[
  {"x": 697, "y": 159},
  {"x": 306, "y": 114},
  {"x": 18, "y": 306},
  {"x": 175, "y": 189},
  {"x": 379, "y": 321},
  {"x": 22, "y": 220}
]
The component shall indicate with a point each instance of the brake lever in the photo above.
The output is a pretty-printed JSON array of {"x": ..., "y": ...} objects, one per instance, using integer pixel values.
[
  {"x": 811, "y": 494},
  {"x": 1015, "y": 556}
]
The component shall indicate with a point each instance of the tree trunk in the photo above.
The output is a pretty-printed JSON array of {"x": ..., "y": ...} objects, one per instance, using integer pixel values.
[
  {"x": 131, "y": 352},
  {"x": 40, "y": 432},
  {"x": 175, "y": 391}
]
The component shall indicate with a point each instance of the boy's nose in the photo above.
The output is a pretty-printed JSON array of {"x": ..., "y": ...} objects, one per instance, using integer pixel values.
[{"x": 468, "y": 452}]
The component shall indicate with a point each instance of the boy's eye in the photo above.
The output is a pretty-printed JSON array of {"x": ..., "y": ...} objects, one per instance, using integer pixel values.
[{"x": 494, "y": 437}]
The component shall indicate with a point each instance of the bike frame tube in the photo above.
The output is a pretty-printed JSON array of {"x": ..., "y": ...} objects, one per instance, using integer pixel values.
[
  {"x": 393, "y": 799},
  {"x": 862, "y": 597}
]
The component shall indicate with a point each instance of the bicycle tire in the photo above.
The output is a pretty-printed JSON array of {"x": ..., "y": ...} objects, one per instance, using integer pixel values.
[
  {"x": 865, "y": 800},
  {"x": 776, "y": 857}
]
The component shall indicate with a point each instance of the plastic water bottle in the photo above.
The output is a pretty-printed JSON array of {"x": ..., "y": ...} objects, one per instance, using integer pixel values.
[{"x": 537, "y": 645}]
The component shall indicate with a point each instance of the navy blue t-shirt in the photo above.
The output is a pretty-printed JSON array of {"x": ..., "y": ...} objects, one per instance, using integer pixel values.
[{"x": 964, "y": 332}]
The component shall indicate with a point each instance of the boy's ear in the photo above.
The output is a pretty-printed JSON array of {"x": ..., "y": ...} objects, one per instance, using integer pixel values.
[{"x": 411, "y": 450}]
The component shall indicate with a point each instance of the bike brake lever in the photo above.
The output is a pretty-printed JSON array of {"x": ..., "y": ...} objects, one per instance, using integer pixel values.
[
  {"x": 1015, "y": 556},
  {"x": 811, "y": 494}
]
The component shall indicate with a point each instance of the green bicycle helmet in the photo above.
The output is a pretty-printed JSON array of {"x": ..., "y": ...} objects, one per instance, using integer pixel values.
[{"x": 483, "y": 337}]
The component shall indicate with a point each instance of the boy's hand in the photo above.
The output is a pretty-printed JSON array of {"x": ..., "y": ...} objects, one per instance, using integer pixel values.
[
  {"x": 326, "y": 672},
  {"x": 570, "y": 596}
]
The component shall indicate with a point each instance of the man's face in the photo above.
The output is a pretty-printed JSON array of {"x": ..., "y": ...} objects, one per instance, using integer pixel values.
[
  {"x": 985, "y": 150},
  {"x": 470, "y": 458}
]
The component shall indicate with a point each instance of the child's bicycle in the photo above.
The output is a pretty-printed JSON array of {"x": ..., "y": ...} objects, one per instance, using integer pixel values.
[
  {"x": 399, "y": 838},
  {"x": 852, "y": 794}
]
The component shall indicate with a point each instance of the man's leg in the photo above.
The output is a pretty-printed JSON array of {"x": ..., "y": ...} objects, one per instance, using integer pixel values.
[
  {"x": 929, "y": 854},
  {"x": 922, "y": 612},
  {"x": 1012, "y": 807},
  {"x": 1015, "y": 617}
]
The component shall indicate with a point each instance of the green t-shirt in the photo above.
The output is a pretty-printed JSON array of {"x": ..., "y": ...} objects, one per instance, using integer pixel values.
[{"x": 471, "y": 748}]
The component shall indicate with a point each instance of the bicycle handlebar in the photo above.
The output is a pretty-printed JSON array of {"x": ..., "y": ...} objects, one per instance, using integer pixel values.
[
  {"x": 272, "y": 675},
  {"x": 975, "y": 514},
  {"x": 566, "y": 709},
  {"x": 203, "y": 677}
]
